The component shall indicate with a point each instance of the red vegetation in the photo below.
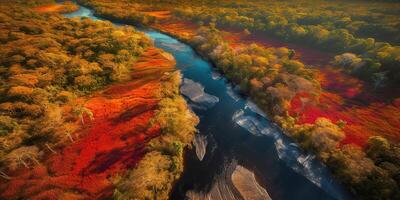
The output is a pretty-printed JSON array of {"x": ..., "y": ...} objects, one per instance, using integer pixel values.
[
  {"x": 346, "y": 98},
  {"x": 343, "y": 97},
  {"x": 158, "y": 14},
  {"x": 307, "y": 55},
  {"x": 108, "y": 145},
  {"x": 49, "y": 8},
  {"x": 182, "y": 28}
]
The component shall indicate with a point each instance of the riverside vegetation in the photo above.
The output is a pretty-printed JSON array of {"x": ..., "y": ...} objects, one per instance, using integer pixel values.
[
  {"x": 371, "y": 35},
  {"x": 54, "y": 72},
  {"x": 273, "y": 77}
]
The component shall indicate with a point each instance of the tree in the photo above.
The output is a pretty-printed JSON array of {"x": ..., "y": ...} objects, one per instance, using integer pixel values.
[
  {"x": 149, "y": 180},
  {"x": 322, "y": 138},
  {"x": 347, "y": 60},
  {"x": 293, "y": 66},
  {"x": 29, "y": 80},
  {"x": 291, "y": 54},
  {"x": 255, "y": 85},
  {"x": 25, "y": 156},
  {"x": 7, "y": 125},
  {"x": 378, "y": 147},
  {"x": 4, "y": 175},
  {"x": 350, "y": 164},
  {"x": 378, "y": 79},
  {"x": 246, "y": 32},
  {"x": 21, "y": 92},
  {"x": 69, "y": 135},
  {"x": 80, "y": 111}
]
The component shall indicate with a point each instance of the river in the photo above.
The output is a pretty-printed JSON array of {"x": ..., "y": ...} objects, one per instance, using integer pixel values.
[{"x": 235, "y": 132}]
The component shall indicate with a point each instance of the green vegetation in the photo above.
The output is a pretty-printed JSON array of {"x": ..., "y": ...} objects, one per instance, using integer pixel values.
[
  {"x": 371, "y": 30},
  {"x": 125, "y": 10},
  {"x": 269, "y": 75},
  {"x": 33, "y": 2},
  {"x": 162, "y": 165},
  {"x": 372, "y": 176},
  {"x": 367, "y": 29},
  {"x": 47, "y": 60},
  {"x": 273, "y": 78},
  {"x": 68, "y": 7}
]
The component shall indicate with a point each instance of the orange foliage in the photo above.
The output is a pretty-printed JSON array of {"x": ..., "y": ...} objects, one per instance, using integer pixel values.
[
  {"x": 185, "y": 29},
  {"x": 343, "y": 97},
  {"x": 110, "y": 144},
  {"x": 349, "y": 99},
  {"x": 66, "y": 7},
  {"x": 49, "y": 8},
  {"x": 158, "y": 14},
  {"x": 309, "y": 56}
]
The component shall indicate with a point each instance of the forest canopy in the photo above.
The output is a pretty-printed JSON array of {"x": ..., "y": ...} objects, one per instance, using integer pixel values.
[
  {"x": 47, "y": 60},
  {"x": 368, "y": 29},
  {"x": 273, "y": 77}
]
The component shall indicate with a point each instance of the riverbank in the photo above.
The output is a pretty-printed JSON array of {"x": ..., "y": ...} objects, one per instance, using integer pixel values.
[
  {"x": 82, "y": 101},
  {"x": 201, "y": 73},
  {"x": 343, "y": 97},
  {"x": 121, "y": 114},
  {"x": 354, "y": 122},
  {"x": 344, "y": 103}
]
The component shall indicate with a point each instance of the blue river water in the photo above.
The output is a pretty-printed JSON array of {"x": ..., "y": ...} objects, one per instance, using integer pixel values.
[{"x": 238, "y": 132}]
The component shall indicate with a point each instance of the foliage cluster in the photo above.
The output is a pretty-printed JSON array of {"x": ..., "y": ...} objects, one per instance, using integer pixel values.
[
  {"x": 272, "y": 78},
  {"x": 45, "y": 61},
  {"x": 68, "y": 7},
  {"x": 270, "y": 75},
  {"x": 125, "y": 10},
  {"x": 371, "y": 30},
  {"x": 162, "y": 165},
  {"x": 33, "y": 2}
]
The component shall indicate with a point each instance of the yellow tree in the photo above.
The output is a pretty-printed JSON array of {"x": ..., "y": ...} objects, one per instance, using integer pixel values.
[{"x": 80, "y": 111}]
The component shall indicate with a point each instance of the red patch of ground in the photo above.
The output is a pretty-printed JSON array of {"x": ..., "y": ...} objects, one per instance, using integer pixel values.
[
  {"x": 104, "y": 147},
  {"x": 49, "y": 8},
  {"x": 307, "y": 55},
  {"x": 54, "y": 8},
  {"x": 183, "y": 28},
  {"x": 343, "y": 97},
  {"x": 158, "y": 14},
  {"x": 346, "y": 86},
  {"x": 66, "y": 7}
]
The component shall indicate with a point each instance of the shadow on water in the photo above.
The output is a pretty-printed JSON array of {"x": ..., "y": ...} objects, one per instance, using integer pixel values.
[{"x": 237, "y": 132}]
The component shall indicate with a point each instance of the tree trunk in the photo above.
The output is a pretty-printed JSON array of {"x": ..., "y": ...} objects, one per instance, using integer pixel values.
[
  {"x": 34, "y": 159},
  {"x": 48, "y": 146},
  {"x": 24, "y": 163},
  {"x": 4, "y": 175},
  {"x": 83, "y": 122},
  {"x": 70, "y": 137}
]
